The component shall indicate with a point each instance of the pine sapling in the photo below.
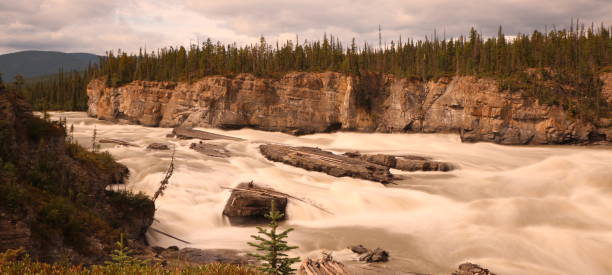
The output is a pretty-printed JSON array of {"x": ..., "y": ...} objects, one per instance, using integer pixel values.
[{"x": 272, "y": 246}]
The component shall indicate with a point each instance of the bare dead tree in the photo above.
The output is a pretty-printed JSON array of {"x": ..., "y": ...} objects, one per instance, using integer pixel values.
[
  {"x": 94, "y": 142},
  {"x": 164, "y": 183}
]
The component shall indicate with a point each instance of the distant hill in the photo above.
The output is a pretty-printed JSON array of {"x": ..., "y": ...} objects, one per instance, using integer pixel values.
[{"x": 40, "y": 63}]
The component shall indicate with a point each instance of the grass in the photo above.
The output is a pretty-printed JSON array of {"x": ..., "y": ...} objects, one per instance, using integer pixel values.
[{"x": 13, "y": 263}]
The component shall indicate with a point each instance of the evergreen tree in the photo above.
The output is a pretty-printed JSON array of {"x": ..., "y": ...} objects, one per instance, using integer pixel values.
[{"x": 272, "y": 246}]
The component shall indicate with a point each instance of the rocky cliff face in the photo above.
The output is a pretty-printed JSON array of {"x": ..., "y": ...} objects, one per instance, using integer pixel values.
[{"x": 301, "y": 103}]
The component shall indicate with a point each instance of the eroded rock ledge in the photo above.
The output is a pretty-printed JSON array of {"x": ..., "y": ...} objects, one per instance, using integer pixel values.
[
  {"x": 302, "y": 103},
  {"x": 315, "y": 159}
]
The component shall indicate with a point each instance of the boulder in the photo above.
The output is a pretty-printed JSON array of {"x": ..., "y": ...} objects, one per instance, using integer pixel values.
[
  {"x": 370, "y": 256},
  {"x": 249, "y": 203},
  {"x": 188, "y": 133},
  {"x": 472, "y": 269},
  {"x": 158, "y": 146},
  {"x": 315, "y": 159}
]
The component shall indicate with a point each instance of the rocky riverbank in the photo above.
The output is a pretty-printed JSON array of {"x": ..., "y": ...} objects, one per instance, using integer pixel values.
[
  {"x": 301, "y": 103},
  {"x": 54, "y": 201}
]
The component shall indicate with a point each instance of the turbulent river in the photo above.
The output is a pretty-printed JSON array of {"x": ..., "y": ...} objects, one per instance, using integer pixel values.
[{"x": 512, "y": 209}]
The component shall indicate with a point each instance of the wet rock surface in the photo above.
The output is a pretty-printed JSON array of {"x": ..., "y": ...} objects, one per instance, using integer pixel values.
[
  {"x": 315, "y": 159},
  {"x": 404, "y": 162},
  {"x": 249, "y": 203},
  {"x": 370, "y": 256},
  {"x": 158, "y": 146},
  {"x": 472, "y": 269},
  {"x": 187, "y": 133},
  {"x": 213, "y": 150}
]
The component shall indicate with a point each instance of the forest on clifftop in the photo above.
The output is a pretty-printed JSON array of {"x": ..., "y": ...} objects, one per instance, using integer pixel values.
[{"x": 569, "y": 60}]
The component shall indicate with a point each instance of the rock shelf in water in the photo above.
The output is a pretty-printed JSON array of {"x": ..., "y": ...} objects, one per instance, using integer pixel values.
[
  {"x": 188, "y": 133},
  {"x": 315, "y": 159}
]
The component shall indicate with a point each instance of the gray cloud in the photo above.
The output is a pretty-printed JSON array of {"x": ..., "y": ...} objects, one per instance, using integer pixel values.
[
  {"x": 413, "y": 18},
  {"x": 99, "y": 25}
]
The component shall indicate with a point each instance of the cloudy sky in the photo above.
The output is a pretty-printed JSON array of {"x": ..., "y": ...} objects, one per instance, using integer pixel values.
[{"x": 99, "y": 25}]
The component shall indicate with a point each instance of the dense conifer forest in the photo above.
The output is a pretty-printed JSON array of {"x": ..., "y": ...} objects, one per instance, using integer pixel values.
[{"x": 572, "y": 59}]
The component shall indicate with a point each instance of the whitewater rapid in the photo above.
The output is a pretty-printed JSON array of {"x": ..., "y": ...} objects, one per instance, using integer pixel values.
[{"x": 512, "y": 209}]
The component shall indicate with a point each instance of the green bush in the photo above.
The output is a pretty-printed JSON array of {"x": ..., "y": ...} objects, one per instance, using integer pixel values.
[{"x": 103, "y": 161}]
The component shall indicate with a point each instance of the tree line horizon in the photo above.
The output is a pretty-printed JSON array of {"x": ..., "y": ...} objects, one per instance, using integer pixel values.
[{"x": 573, "y": 57}]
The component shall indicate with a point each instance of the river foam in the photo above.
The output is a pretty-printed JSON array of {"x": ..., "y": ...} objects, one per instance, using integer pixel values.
[{"x": 512, "y": 209}]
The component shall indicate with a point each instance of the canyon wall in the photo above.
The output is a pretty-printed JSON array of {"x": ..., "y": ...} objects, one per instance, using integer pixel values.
[{"x": 302, "y": 103}]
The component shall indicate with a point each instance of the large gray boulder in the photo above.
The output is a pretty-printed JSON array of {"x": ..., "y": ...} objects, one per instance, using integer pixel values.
[{"x": 249, "y": 203}]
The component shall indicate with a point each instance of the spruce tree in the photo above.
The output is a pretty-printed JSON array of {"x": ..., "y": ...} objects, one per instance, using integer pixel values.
[{"x": 272, "y": 246}]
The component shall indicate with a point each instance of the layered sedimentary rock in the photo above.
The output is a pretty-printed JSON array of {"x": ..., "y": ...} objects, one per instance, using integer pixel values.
[
  {"x": 301, "y": 103},
  {"x": 315, "y": 159}
]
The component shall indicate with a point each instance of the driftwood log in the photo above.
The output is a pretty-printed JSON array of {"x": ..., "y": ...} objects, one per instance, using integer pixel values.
[{"x": 324, "y": 266}]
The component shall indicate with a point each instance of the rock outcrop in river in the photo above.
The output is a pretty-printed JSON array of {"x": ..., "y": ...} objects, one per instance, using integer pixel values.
[
  {"x": 301, "y": 103},
  {"x": 315, "y": 159}
]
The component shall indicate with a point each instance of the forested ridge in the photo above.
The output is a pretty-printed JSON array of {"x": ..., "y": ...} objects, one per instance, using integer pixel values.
[{"x": 556, "y": 66}]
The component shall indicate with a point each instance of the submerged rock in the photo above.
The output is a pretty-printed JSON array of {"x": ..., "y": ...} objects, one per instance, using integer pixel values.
[
  {"x": 158, "y": 146},
  {"x": 213, "y": 150},
  {"x": 249, "y": 203},
  {"x": 188, "y": 133},
  {"x": 403, "y": 162},
  {"x": 117, "y": 141},
  {"x": 315, "y": 159},
  {"x": 472, "y": 269}
]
